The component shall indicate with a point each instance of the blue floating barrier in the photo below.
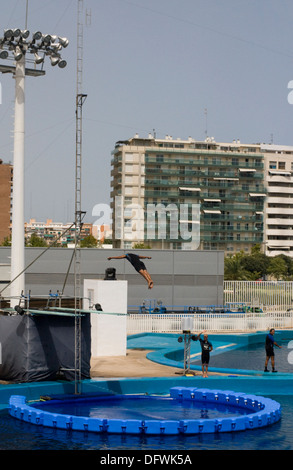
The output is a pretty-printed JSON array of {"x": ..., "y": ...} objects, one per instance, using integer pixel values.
[
  {"x": 80, "y": 423},
  {"x": 154, "y": 427},
  {"x": 134, "y": 426},
  {"x": 117, "y": 426},
  {"x": 256, "y": 412},
  {"x": 208, "y": 426}
]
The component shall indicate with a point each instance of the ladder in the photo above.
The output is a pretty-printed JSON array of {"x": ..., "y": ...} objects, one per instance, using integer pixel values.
[{"x": 79, "y": 214}]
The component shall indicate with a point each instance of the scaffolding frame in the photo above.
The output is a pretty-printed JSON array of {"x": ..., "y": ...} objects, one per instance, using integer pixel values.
[{"x": 79, "y": 214}]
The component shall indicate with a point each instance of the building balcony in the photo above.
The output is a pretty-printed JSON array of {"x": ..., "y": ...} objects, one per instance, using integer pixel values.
[
  {"x": 279, "y": 221},
  {"x": 233, "y": 218},
  {"x": 279, "y": 232},
  {"x": 233, "y": 239},
  {"x": 282, "y": 191},
  {"x": 281, "y": 244},
  {"x": 239, "y": 165},
  {"x": 280, "y": 200},
  {"x": 280, "y": 211},
  {"x": 226, "y": 230},
  {"x": 208, "y": 153}
]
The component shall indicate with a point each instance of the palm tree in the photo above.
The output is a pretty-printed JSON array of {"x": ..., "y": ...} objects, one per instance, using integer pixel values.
[{"x": 234, "y": 270}]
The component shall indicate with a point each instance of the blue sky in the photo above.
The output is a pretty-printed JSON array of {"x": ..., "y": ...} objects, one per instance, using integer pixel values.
[{"x": 147, "y": 64}]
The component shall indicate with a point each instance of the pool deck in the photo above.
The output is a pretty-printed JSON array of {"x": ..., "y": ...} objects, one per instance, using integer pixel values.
[
  {"x": 152, "y": 364},
  {"x": 147, "y": 356},
  {"x": 134, "y": 364}
]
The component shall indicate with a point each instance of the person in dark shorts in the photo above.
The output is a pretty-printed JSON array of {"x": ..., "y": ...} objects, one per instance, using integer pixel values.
[
  {"x": 270, "y": 353},
  {"x": 138, "y": 265},
  {"x": 206, "y": 348}
]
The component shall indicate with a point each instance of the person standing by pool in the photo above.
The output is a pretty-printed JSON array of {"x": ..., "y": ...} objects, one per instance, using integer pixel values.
[
  {"x": 138, "y": 265},
  {"x": 270, "y": 353},
  {"x": 206, "y": 348}
]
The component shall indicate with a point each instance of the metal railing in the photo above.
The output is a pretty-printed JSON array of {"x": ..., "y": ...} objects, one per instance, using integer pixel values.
[
  {"x": 212, "y": 322},
  {"x": 274, "y": 295}
]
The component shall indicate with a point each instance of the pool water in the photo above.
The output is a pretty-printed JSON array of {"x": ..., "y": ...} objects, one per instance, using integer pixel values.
[
  {"x": 252, "y": 357},
  {"x": 18, "y": 435},
  {"x": 141, "y": 408}
]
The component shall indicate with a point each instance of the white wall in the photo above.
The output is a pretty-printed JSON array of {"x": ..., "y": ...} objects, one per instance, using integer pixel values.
[{"x": 109, "y": 326}]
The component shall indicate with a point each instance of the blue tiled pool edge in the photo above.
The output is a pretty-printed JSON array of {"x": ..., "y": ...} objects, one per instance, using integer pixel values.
[
  {"x": 266, "y": 386},
  {"x": 172, "y": 356}
]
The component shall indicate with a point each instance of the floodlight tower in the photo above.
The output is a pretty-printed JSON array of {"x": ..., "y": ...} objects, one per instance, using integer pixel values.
[{"x": 40, "y": 45}]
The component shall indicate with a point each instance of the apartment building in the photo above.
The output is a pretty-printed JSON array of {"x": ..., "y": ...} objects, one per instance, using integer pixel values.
[
  {"x": 219, "y": 187},
  {"x": 55, "y": 232},
  {"x": 6, "y": 179},
  {"x": 278, "y": 227}
]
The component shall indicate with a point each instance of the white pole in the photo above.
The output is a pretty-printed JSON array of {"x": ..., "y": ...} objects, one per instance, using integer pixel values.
[{"x": 17, "y": 245}]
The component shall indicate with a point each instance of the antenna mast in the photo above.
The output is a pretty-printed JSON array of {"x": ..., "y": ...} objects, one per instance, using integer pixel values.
[{"x": 80, "y": 98}]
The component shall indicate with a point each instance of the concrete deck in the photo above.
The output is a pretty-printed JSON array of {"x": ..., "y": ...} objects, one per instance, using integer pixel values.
[{"x": 134, "y": 364}]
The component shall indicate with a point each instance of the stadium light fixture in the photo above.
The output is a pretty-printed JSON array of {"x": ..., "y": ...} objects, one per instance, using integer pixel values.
[
  {"x": 16, "y": 32},
  {"x": 63, "y": 41},
  {"x": 54, "y": 60},
  {"x": 38, "y": 59},
  {"x": 37, "y": 36},
  {"x": 17, "y": 45},
  {"x": 17, "y": 41},
  {"x": 25, "y": 33},
  {"x": 8, "y": 33},
  {"x": 17, "y": 53},
  {"x": 3, "y": 54}
]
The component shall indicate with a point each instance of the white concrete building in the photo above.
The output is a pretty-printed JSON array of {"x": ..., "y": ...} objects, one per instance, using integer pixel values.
[{"x": 278, "y": 220}]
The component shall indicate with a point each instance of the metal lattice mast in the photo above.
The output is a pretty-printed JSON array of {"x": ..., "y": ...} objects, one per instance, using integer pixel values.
[{"x": 78, "y": 212}]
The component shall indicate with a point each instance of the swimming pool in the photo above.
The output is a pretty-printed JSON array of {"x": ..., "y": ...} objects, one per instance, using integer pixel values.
[
  {"x": 185, "y": 410},
  {"x": 18, "y": 435},
  {"x": 251, "y": 357},
  {"x": 232, "y": 353}
]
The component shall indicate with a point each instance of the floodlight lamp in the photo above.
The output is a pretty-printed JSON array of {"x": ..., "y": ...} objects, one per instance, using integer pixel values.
[
  {"x": 63, "y": 41},
  {"x": 46, "y": 38},
  {"x": 38, "y": 59},
  {"x": 25, "y": 33},
  {"x": 37, "y": 36},
  {"x": 33, "y": 47},
  {"x": 54, "y": 38},
  {"x": 16, "y": 32},
  {"x": 62, "y": 64},
  {"x": 8, "y": 33},
  {"x": 56, "y": 47},
  {"x": 3, "y": 54},
  {"x": 54, "y": 60},
  {"x": 17, "y": 54}
]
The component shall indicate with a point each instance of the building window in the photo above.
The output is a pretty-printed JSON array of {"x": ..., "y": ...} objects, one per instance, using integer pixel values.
[
  {"x": 282, "y": 165},
  {"x": 273, "y": 165}
]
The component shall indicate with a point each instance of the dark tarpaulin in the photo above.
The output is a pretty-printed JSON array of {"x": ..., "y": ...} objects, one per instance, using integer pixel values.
[{"x": 35, "y": 348}]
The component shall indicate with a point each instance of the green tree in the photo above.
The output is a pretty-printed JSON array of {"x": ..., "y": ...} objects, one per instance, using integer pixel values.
[
  {"x": 35, "y": 241},
  {"x": 289, "y": 264},
  {"x": 233, "y": 268},
  {"x": 89, "y": 242},
  {"x": 6, "y": 241},
  {"x": 256, "y": 264},
  {"x": 107, "y": 241},
  {"x": 278, "y": 268},
  {"x": 141, "y": 246}
]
